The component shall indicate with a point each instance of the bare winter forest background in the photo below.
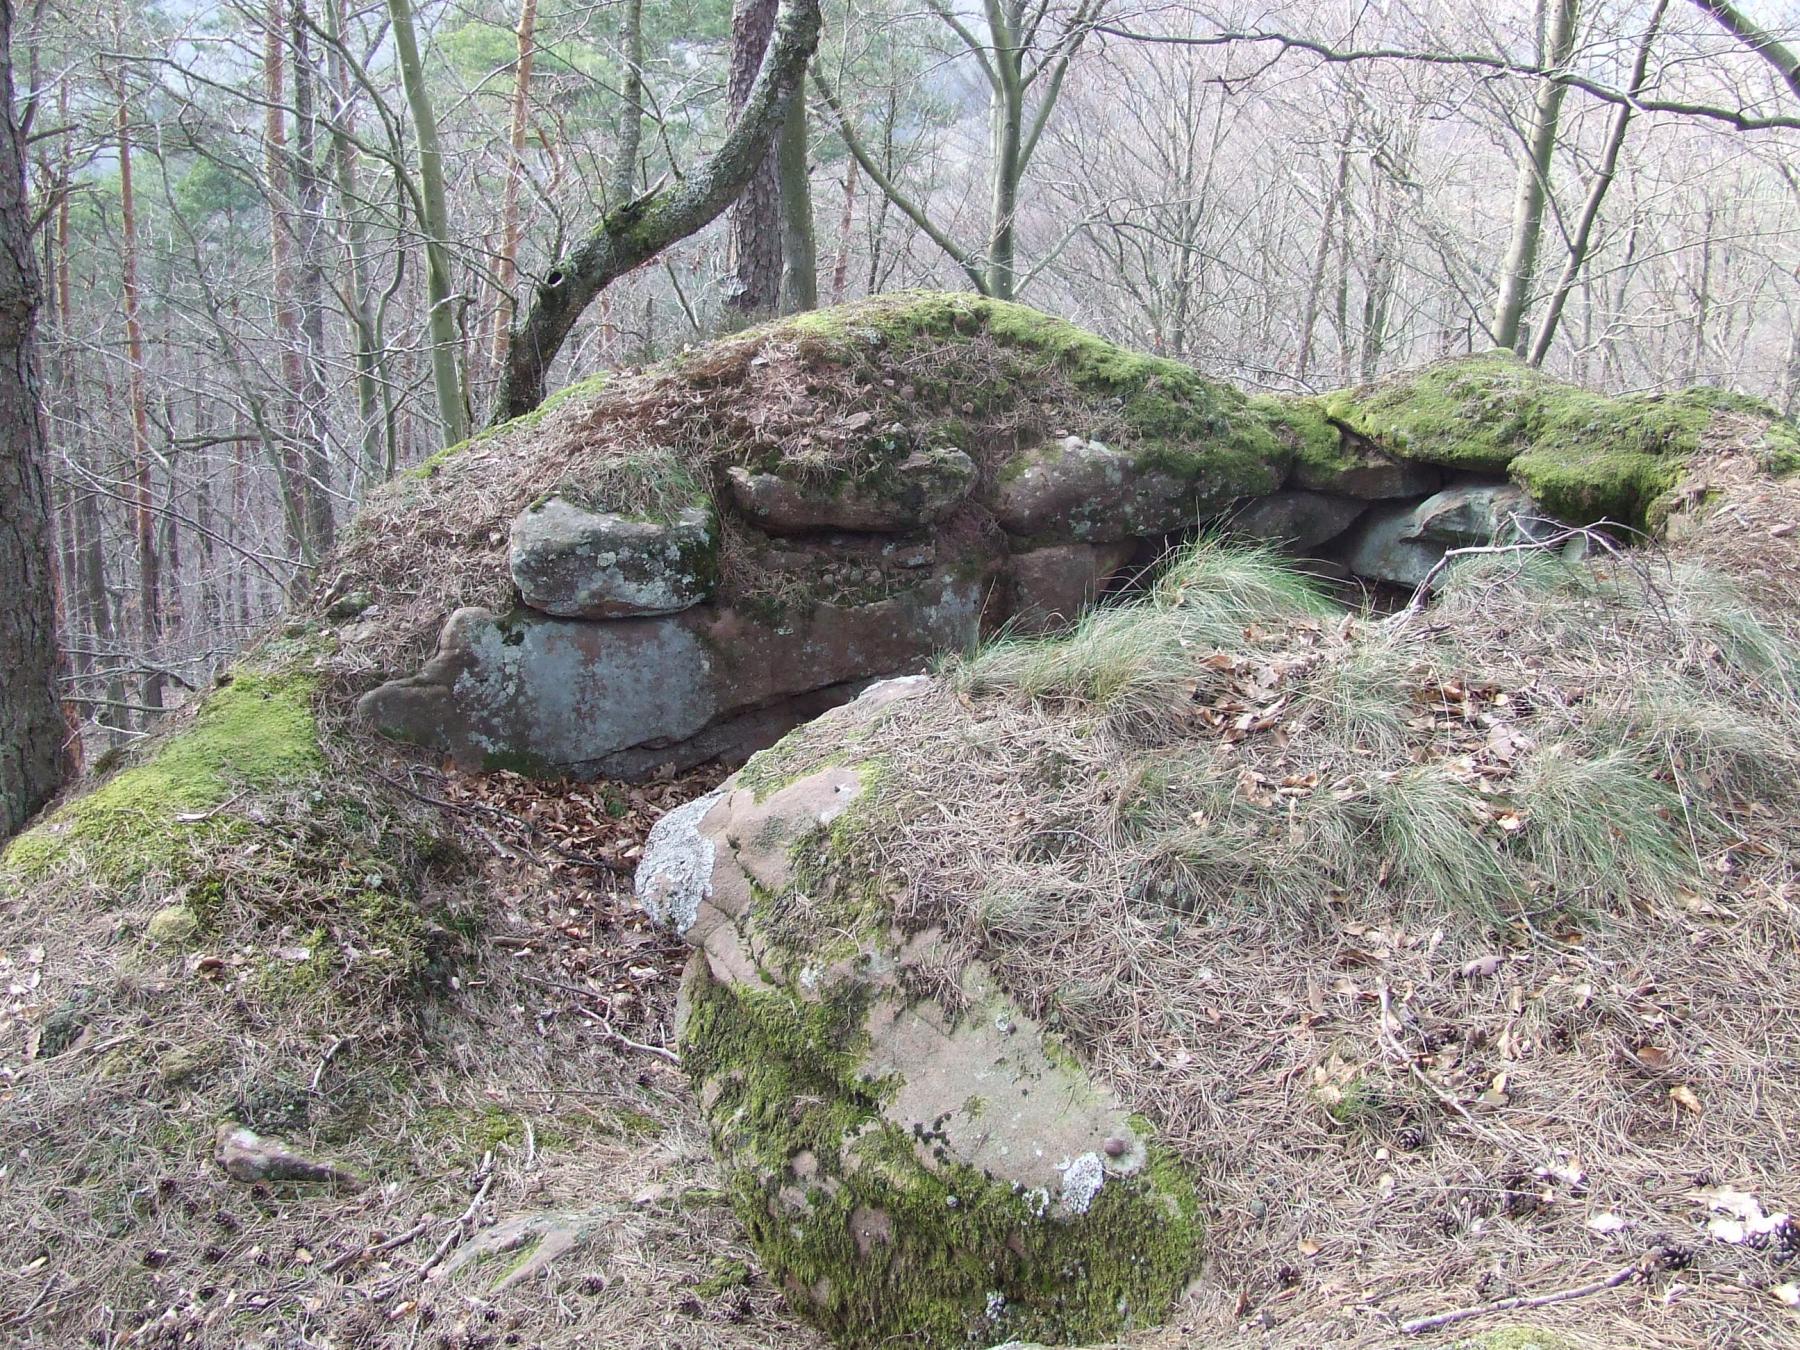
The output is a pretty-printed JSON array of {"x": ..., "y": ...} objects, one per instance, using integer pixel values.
[{"x": 284, "y": 244}]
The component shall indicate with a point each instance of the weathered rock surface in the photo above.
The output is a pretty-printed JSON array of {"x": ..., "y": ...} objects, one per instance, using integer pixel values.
[
  {"x": 1362, "y": 470},
  {"x": 1086, "y": 491},
  {"x": 1054, "y": 586},
  {"x": 904, "y": 1170},
  {"x": 571, "y": 562},
  {"x": 1299, "y": 520},
  {"x": 919, "y": 490},
  {"x": 1477, "y": 513},
  {"x": 563, "y": 696},
  {"x": 1385, "y": 546}
]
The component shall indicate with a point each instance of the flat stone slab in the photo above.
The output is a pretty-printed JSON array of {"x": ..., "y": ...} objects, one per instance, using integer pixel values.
[
  {"x": 1085, "y": 491},
  {"x": 1365, "y": 472},
  {"x": 572, "y": 562},
  {"x": 1297, "y": 520}
]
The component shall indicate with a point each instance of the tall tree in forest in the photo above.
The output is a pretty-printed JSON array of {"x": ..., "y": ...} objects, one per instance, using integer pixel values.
[
  {"x": 506, "y": 265},
  {"x": 434, "y": 213},
  {"x": 1518, "y": 271},
  {"x": 1024, "y": 58},
  {"x": 309, "y": 292},
  {"x": 636, "y": 231},
  {"x": 150, "y": 610},
  {"x": 756, "y": 215},
  {"x": 32, "y": 731}
]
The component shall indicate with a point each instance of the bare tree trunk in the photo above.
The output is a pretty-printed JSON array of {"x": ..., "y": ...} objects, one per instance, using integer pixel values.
[
  {"x": 315, "y": 440},
  {"x": 149, "y": 564},
  {"x": 1520, "y": 266},
  {"x": 360, "y": 308},
  {"x": 290, "y": 468},
  {"x": 840, "y": 272},
  {"x": 756, "y": 218},
  {"x": 1006, "y": 113},
  {"x": 1703, "y": 299},
  {"x": 799, "y": 243},
  {"x": 32, "y": 730},
  {"x": 506, "y": 266},
  {"x": 446, "y": 373},
  {"x": 1603, "y": 180},
  {"x": 1334, "y": 196}
]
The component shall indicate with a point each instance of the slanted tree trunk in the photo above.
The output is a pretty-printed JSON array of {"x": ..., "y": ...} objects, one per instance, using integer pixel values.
[
  {"x": 756, "y": 216},
  {"x": 1519, "y": 269},
  {"x": 32, "y": 730},
  {"x": 637, "y": 231},
  {"x": 1783, "y": 58}
]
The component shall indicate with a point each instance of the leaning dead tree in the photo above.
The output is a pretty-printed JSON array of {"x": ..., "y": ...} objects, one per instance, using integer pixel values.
[{"x": 640, "y": 229}]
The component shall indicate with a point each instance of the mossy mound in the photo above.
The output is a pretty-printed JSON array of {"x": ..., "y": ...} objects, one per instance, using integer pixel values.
[{"x": 1582, "y": 455}]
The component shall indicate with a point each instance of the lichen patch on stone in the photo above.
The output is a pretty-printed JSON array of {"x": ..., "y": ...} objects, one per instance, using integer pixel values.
[{"x": 675, "y": 876}]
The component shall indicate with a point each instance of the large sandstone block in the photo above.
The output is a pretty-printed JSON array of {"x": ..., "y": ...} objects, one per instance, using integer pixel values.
[
  {"x": 1082, "y": 490},
  {"x": 573, "y": 562},
  {"x": 909, "y": 1169},
  {"x": 568, "y": 696},
  {"x": 917, "y": 491},
  {"x": 1298, "y": 520}
]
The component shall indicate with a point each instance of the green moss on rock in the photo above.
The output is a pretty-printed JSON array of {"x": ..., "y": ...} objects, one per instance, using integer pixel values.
[
  {"x": 1173, "y": 418},
  {"x": 1582, "y": 455},
  {"x": 876, "y": 1245},
  {"x": 255, "y": 733}
]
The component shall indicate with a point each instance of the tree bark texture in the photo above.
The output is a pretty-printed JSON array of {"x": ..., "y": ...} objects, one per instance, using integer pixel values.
[
  {"x": 32, "y": 731},
  {"x": 799, "y": 241},
  {"x": 756, "y": 224}
]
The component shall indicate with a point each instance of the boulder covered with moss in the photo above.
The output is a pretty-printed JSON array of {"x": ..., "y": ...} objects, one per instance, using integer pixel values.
[
  {"x": 913, "y": 1155},
  {"x": 874, "y": 485}
]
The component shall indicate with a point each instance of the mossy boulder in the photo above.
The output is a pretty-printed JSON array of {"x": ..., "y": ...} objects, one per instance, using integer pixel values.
[
  {"x": 1583, "y": 456},
  {"x": 911, "y": 1159}
]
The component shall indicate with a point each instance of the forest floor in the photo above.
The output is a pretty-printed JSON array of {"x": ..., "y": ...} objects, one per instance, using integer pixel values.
[{"x": 538, "y": 1172}]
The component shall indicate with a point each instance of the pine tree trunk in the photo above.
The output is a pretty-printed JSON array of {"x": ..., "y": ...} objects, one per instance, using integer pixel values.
[
  {"x": 506, "y": 266},
  {"x": 150, "y": 613},
  {"x": 756, "y": 218},
  {"x": 32, "y": 730}
]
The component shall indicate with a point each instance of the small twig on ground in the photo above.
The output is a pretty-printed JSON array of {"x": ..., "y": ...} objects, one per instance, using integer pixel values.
[
  {"x": 606, "y": 1030},
  {"x": 364, "y": 1253},
  {"x": 1643, "y": 1268},
  {"x": 463, "y": 1220}
]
